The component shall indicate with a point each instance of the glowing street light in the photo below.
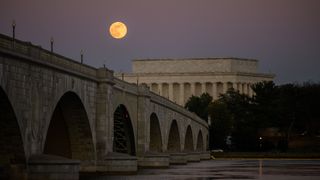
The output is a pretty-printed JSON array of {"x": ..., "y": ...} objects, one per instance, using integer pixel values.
[{"x": 260, "y": 142}]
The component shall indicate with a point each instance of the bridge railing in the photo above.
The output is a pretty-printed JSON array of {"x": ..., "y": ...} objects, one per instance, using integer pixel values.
[
  {"x": 134, "y": 89},
  {"x": 123, "y": 85},
  {"x": 46, "y": 57},
  {"x": 175, "y": 107}
]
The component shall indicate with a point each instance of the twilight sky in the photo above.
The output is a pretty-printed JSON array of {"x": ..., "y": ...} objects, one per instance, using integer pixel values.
[{"x": 284, "y": 35}]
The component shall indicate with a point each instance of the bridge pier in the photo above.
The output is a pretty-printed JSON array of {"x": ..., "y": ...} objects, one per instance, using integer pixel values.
[
  {"x": 45, "y": 166},
  {"x": 205, "y": 155},
  {"x": 178, "y": 158},
  {"x": 87, "y": 167},
  {"x": 193, "y": 157},
  {"x": 118, "y": 163},
  {"x": 155, "y": 160}
]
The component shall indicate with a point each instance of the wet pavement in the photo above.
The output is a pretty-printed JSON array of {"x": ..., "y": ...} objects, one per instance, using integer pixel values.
[{"x": 232, "y": 169}]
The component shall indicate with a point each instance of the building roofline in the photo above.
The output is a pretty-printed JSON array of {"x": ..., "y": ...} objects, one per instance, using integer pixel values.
[
  {"x": 196, "y": 59},
  {"x": 267, "y": 75}
]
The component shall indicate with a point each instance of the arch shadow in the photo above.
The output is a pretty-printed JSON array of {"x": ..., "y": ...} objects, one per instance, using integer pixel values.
[
  {"x": 124, "y": 139},
  {"x": 155, "y": 134},
  {"x": 12, "y": 152},
  {"x": 188, "y": 142},
  {"x": 69, "y": 133},
  {"x": 200, "y": 142},
  {"x": 174, "y": 138}
]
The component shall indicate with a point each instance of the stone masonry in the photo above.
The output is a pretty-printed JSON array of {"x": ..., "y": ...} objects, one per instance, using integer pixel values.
[{"x": 45, "y": 96}]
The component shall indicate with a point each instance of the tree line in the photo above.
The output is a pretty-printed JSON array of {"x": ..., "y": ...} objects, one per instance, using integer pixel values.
[{"x": 276, "y": 118}]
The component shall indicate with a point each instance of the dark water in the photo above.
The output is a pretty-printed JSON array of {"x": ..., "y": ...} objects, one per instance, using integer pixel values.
[{"x": 232, "y": 169}]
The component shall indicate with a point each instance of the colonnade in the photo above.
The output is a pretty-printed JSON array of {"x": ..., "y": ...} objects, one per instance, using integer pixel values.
[{"x": 180, "y": 92}]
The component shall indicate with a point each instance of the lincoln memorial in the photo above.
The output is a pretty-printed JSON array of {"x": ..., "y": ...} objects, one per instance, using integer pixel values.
[{"x": 178, "y": 79}]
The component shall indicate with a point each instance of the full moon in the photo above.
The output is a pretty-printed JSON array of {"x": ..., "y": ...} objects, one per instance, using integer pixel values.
[{"x": 118, "y": 30}]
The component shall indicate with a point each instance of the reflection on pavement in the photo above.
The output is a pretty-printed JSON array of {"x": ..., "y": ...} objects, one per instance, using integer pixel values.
[{"x": 232, "y": 169}]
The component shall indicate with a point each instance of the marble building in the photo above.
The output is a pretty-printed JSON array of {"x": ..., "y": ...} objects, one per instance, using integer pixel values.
[{"x": 178, "y": 79}]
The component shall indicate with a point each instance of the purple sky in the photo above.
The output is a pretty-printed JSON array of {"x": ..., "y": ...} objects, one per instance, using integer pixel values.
[{"x": 284, "y": 35}]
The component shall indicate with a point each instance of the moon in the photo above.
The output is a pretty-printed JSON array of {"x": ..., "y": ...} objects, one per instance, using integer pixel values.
[{"x": 118, "y": 30}]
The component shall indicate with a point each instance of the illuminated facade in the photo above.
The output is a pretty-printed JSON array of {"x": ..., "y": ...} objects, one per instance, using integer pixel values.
[{"x": 178, "y": 79}]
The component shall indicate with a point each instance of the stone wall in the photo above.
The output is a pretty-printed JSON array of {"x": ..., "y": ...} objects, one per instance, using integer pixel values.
[
  {"x": 37, "y": 82},
  {"x": 34, "y": 89}
]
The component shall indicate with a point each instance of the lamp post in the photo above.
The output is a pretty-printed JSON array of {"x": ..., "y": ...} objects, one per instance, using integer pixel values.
[
  {"x": 81, "y": 56},
  {"x": 51, "y": 44},
  {"x": 13, "y": 29},
  {"x": 13, "y": 32}
]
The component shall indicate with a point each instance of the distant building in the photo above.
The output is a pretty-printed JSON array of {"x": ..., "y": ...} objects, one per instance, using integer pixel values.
[{"x": 178, "y": 79}]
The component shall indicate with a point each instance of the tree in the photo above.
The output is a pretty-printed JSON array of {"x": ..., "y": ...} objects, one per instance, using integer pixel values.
[
  {"x": 265, "y": 103},
  {"x": 221, "y": 123},
  {"x": 308, "y": 105},
  {"x": 290, "y": 108},
  {"x": 244, "y": 126},
  {"x": 199, "y": 105}
]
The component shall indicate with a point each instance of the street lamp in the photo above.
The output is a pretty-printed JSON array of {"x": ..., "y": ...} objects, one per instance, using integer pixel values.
[
  {"x": 13, "y": 29},
  {"x": 81, "y": 56},
  {"x": 13, "y": 32},
  {"x": 51, "y": 44}
]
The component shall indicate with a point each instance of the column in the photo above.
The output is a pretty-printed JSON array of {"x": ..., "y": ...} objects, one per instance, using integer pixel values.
[
  {"x": 193, "y": 88},
  {"x": 235, "y": 86},
  {"x": 203, "y": 88},
  {"x": 249, "y": 90},
  {"x": 170, "y": 91},
  {"x": 181, "y": 90},
  {"x": 160, "y": 89},
  {"x": 214, "y": 91},
  {"x": 224, "y": 87},
  {"x": 153, "y": 89}
]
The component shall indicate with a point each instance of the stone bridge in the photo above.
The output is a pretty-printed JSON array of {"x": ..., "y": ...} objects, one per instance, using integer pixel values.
[{"x": 58, "y": 115}]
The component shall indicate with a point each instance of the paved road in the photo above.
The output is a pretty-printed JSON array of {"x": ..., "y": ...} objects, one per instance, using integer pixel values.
[{"x": 232, "y": 169}]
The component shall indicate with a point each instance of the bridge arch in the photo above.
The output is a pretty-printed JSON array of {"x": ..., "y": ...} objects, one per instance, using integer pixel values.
[
  {"x": 188, "y": 141},
  {"x": 174, "y": 138},
  {"x": 69, "y": 133},
  {"x": 123, "y": 134},
  {"x": 155, "y": 134},
  {"x": 200, "y": 146},
  {"x": 11, "y": 141}
]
